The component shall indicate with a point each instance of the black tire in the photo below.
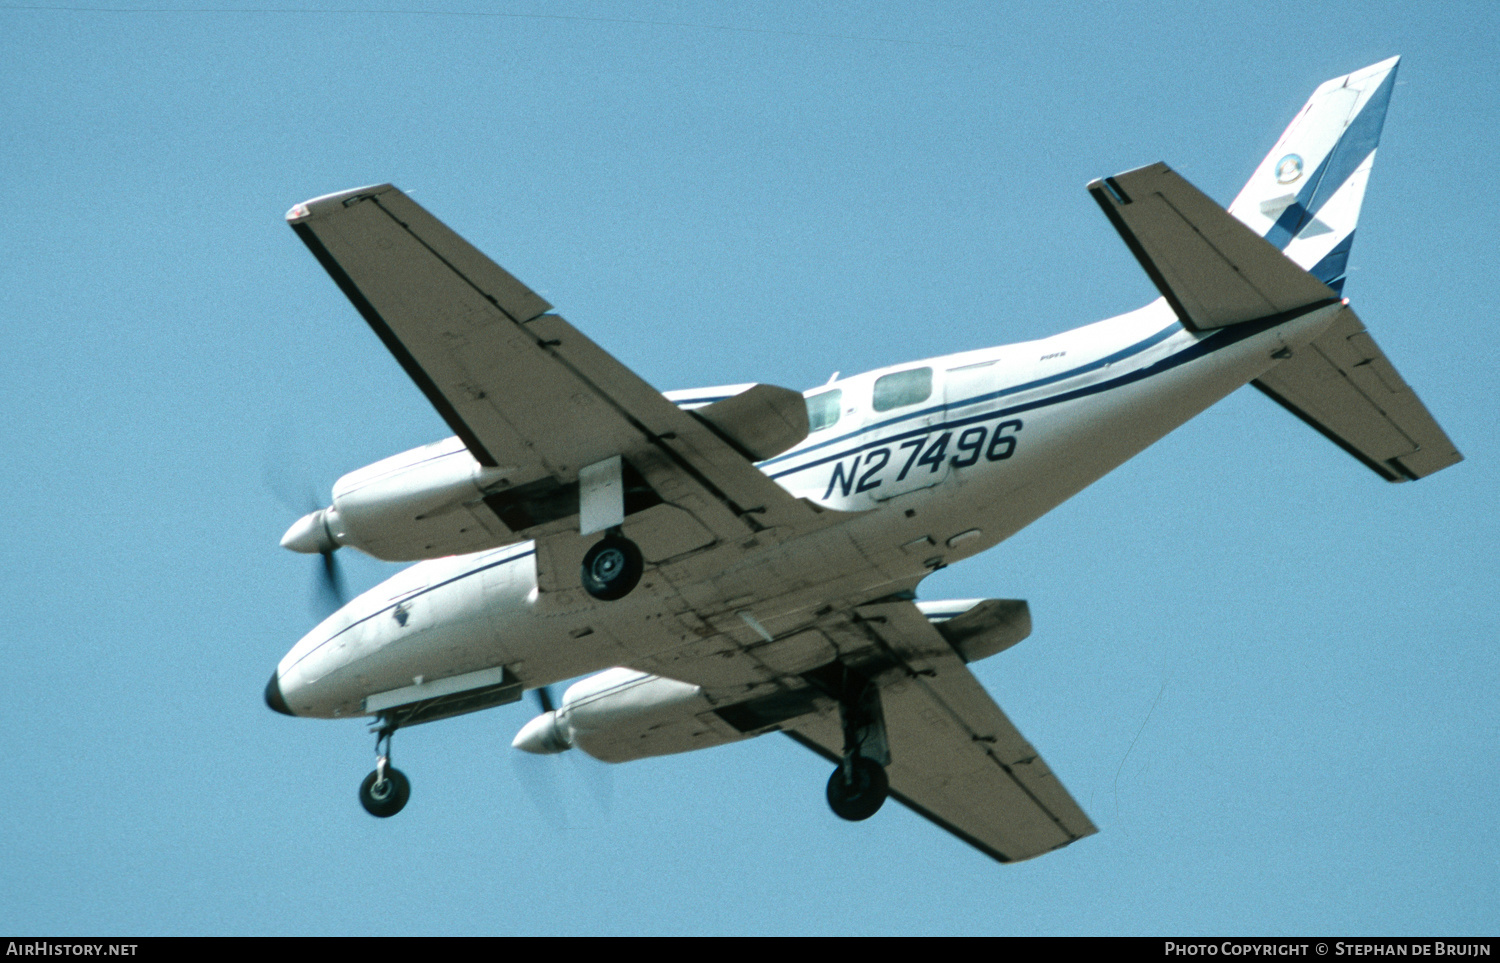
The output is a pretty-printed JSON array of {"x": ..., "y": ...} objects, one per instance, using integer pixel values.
[
  {"x": 861, "y": 797},
  {"x": 387, "y": 799},
  {"x": 612, "y": 568}
]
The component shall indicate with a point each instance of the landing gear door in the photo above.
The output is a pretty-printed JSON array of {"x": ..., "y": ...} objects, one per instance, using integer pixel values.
[{"x": 917, "y": 446}]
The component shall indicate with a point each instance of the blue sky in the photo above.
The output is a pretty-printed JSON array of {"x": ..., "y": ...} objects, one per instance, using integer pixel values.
[{"x": 1267, "y": 675}]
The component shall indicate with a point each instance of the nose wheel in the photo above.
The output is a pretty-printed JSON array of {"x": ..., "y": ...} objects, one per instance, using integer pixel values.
[{"x": 385, "y": 791}]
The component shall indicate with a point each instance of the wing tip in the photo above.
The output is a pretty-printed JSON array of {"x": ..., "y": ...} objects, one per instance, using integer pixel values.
[{"x": 333, "y": 202}]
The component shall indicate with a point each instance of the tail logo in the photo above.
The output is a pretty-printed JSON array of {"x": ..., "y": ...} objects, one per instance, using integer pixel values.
[{"x": 1288, "y": 169}]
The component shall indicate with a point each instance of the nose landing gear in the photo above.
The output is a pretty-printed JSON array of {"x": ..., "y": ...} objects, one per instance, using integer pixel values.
[{"x": 385, "y": 791}]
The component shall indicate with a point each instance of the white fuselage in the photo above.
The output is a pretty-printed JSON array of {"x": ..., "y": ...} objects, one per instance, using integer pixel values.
[{"x": 1002, "y": 436}]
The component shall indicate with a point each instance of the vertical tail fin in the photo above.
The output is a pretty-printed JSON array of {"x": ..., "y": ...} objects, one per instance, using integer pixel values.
[
  {"x": 1305, "y": 199},
  {"x": 1305, "y": 196}
]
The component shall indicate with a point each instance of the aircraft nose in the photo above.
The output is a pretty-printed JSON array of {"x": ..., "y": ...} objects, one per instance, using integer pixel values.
[{"x": 275, "y": 699}]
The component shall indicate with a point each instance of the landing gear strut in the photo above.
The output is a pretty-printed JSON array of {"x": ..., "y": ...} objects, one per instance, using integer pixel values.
[
  {"x": 858, "y": 787},
  {"x": 612, "y": 567},
  {"x": 386, "y": 790}
]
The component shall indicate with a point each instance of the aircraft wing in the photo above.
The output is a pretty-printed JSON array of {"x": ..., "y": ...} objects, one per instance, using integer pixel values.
[
  {"x": 525, "y": 390},
  {"x": 955, "y": 757}
]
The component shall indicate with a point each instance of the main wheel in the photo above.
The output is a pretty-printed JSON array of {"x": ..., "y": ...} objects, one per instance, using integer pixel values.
[
  {"x": 612, "y": 568},
  {"x": 385, "y": 798},
  {"x": 861, "y": 796}
]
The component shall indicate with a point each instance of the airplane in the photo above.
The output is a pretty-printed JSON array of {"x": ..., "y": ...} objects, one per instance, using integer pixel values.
[{"x": 726, "y": 562}]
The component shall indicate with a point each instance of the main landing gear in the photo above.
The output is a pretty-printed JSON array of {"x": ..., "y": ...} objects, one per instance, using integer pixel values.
[
  {"x": 858, "y": 787},
  {"x": 385, "y": 791},
  {"x": 612, "y": 567}
]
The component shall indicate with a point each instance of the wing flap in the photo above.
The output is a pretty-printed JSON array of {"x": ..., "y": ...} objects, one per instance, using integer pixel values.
[
  {"x": 1345, "y": 388},
  {"x": 1211, "y": 268}
]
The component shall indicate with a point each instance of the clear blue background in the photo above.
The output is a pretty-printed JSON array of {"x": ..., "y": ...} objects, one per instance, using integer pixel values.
[{"x": 1269, "y": 676}]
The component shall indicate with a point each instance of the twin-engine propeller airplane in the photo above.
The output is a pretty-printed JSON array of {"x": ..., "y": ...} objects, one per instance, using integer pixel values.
[{"x": 745, "y": 559}]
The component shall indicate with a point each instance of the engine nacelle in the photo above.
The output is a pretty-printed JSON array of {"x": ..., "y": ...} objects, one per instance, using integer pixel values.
[
  {"x": 423, "y": 503},
  {"x": 620, "y": 714},
  {"x": 428, "y": 502}
]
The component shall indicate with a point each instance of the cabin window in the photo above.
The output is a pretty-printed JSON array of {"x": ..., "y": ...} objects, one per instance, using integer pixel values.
[
  {"x": 902, "y": 388},
  {"x": 823, "y": 409}
]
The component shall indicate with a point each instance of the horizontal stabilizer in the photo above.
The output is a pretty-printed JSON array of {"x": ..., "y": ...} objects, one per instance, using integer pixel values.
[
  {"x": 1212, "y": 269},
  {"x": 1343, "y": 386}
]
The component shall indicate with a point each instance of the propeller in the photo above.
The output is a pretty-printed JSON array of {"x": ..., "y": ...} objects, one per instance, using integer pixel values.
[
  {"x": 539, "y": 775},
  {"x": 310, "y": 534},
  {"x": 600, "y": 778},
  {"x": 330, "y": 595}
]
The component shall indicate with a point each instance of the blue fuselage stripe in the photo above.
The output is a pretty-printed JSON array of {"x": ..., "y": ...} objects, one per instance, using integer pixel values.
[
  {"x": 531, "y": 550},
  {"x": 1120, "y": 355},
  {"x": 1214, "y": 342}
]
